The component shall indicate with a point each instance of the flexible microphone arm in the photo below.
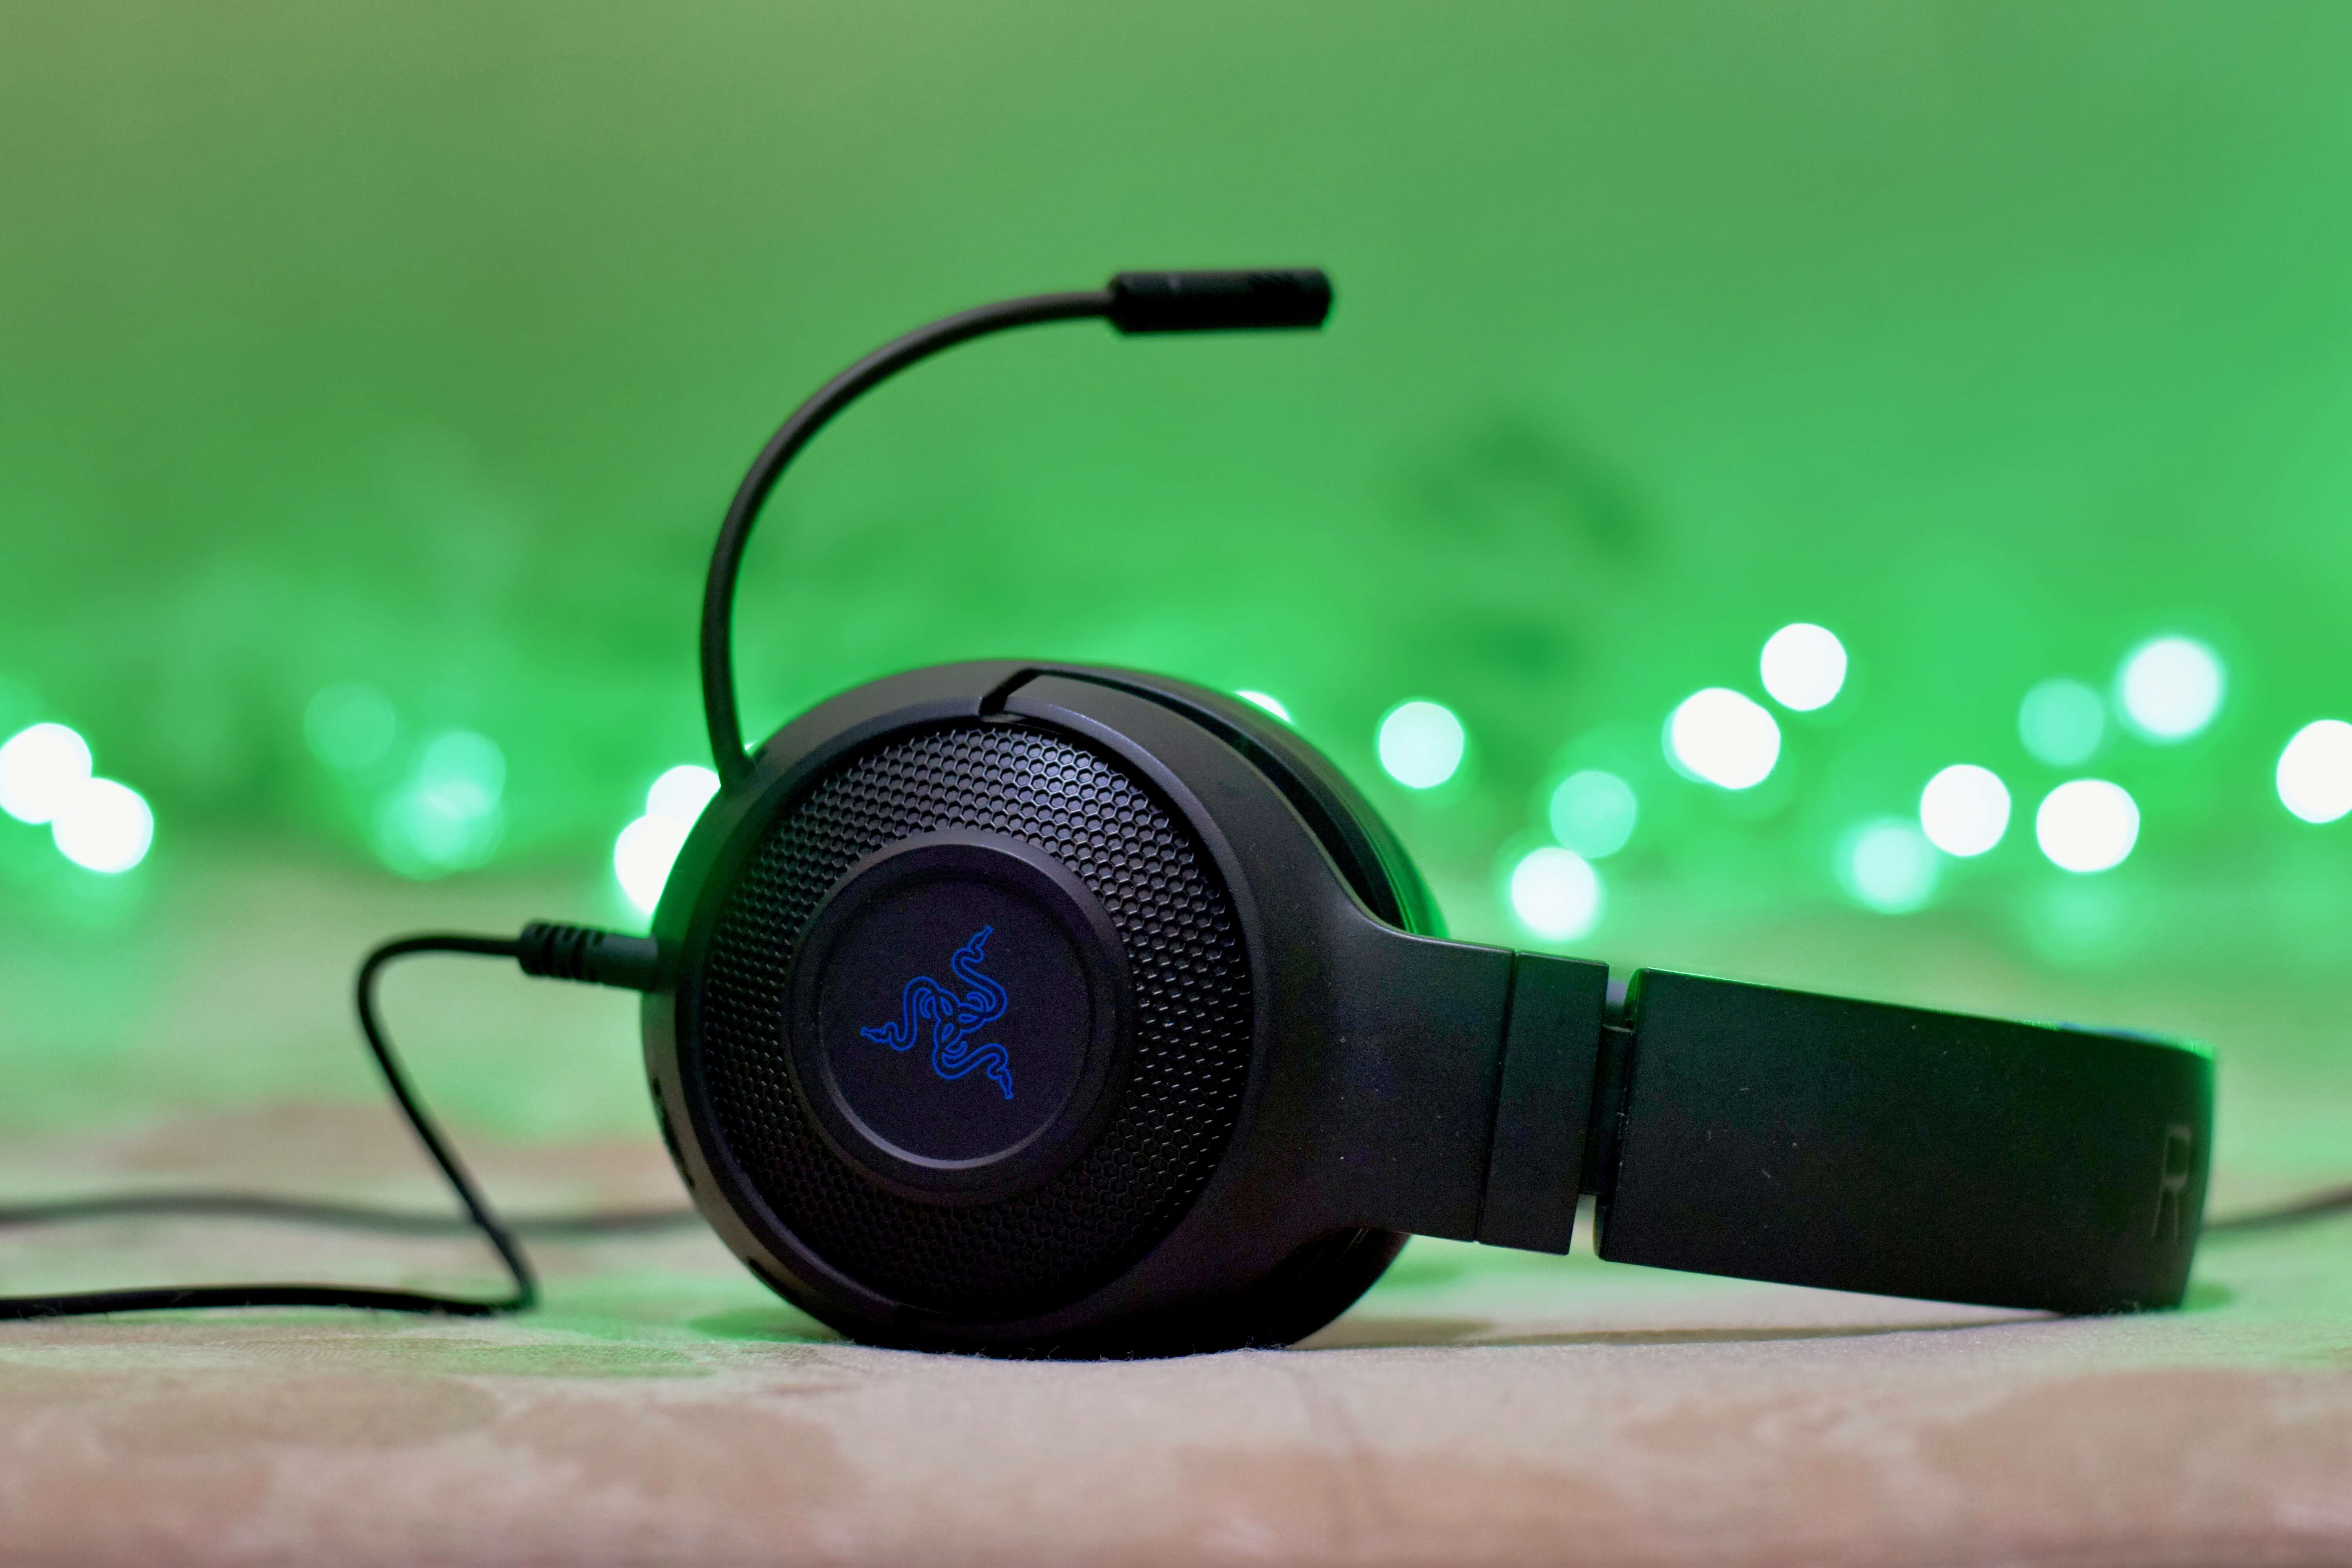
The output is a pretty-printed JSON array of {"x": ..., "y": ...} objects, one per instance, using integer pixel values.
[{"x": 1134, "y": 302}]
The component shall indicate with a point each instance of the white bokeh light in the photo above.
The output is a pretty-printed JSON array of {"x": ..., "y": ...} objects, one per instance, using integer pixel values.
[
  {"x": 40, "y": 769},
  {"x": 103, "y": 825},
  {"x": 1963, "y": 810},
  {"x": 2087, "y": 824},
  {"x": 682, "y": 793},
  {"x": 647, "y": 847},
  {"x": 1421, "y": 744},
  {"x": 1726, "y": 740},
  {"x": 643, "y": 854},
  {"x": 2314, "y": 772},
  {"x": 1803, "y": 667},
  {"x": 2170, "y": 688},
  {"x": 1888, "y": 866},
  {"x": 1556, "y": 894},
  {"x": 1271, "y": 704}
]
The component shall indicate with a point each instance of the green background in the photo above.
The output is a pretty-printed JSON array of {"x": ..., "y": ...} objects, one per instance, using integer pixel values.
[{"x": 421, "y": 346}]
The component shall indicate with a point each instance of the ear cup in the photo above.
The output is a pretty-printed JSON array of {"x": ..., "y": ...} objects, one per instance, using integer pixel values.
[
  {"x": 886, "y": 1064},
  {"x": 1328, "y": 1275}
]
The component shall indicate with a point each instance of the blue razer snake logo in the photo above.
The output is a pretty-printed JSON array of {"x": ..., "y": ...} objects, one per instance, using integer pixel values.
[{"x": 954, "y": 1016}]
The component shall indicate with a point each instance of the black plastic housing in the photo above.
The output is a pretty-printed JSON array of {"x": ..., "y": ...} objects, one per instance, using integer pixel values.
[
  {"x": 1400, "y": 1083},
  {"x": 1775, "y": 1135}
]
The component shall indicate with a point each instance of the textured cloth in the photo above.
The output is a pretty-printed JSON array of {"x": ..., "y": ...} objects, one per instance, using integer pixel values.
[{"x": 1479, "y": 1406}]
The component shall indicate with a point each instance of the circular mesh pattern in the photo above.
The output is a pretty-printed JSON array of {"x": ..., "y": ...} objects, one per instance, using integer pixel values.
[{"x": 1050, "y": 1244}]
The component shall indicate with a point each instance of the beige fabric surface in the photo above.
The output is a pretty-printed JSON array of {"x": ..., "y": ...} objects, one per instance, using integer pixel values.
[{"x": 1479, "y": 1406}]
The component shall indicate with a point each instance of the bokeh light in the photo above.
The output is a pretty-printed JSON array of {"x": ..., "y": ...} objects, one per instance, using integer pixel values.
[
  {"x": 1963, "y": 810},
  {"x": 682, "y": 793},
  {"x": 1421, "y": 744},
  {"x": 2087, "y": 824},
  {"x": 423, "y": 832},
  {"x": 350, "y": 725},
  {"x": 1803, "y": 667},
  {"x": 104, "y": 826},
  {"x": 448, "y": 818},
  {"x": 648, "y": 847},
  {"x": 2171, "y": 688},
  {"x": 1556, "y": 894},
  {"x": 1723, "y": 738},
  {"x": 2061, "y": 723},
  {"x": 466, "y": 770},
  {"x": 643, "y": 854},
  {"x": 1271, "y": 704},
  {"x": 1593, "y": 812},
  {"x": 40, "y": 769},
  {"x": 2314, "y": 772},
  {"x": 1889, "y": 866}
]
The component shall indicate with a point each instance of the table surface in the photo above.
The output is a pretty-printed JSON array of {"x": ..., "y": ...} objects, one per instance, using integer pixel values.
[{"x": 1477, "y": 1406}]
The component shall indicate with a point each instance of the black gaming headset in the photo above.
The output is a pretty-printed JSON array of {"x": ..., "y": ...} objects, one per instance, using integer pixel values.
[
  {"x": 1044, "y": 1009},
  {"x": 1047, "y": 1010}
]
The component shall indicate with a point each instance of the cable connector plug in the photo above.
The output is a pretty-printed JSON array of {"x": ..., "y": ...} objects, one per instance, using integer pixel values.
[{"x": 594, "y": 957}]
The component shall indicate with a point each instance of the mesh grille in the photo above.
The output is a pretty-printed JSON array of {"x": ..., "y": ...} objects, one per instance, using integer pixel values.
[{"x": 1053, "y": 1244}]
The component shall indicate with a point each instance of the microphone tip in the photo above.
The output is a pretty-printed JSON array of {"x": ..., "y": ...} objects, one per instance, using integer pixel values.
[{"x": 1265, "y": 299}]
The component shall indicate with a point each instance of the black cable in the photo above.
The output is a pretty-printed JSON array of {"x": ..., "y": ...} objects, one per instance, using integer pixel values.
[
  {"x": 214, "y": 1205},
  {"x": 2317, "y": 1205},
  {"x": 718, "y": 707},
  {"x": 479, "y": 1215}
]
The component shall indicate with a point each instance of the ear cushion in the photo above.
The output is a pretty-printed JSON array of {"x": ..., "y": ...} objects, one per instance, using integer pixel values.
[
  {"x": 1326, "y": 1277},
  {"x": 1321, "y": 1281},
  {"x": 1310, "y": 1288},
  {"x": 935, "y": 754},
  {"x": 1360, "y": 843}
]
